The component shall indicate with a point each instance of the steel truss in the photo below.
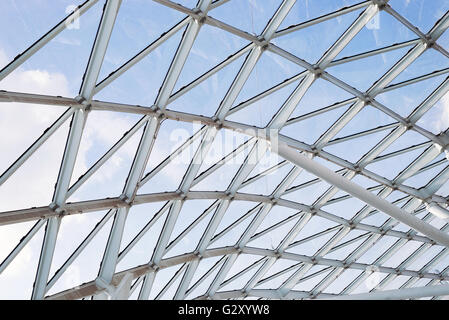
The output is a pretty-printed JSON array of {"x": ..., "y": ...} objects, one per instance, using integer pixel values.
[{"x": 301, "y": 156}]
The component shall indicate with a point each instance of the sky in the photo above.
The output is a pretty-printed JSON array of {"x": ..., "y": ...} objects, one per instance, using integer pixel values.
[{"x": 58, "y": 68}]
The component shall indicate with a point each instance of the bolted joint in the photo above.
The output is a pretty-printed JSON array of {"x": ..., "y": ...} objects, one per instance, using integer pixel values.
[
  {"x": 181, "y": 194},
  {"x": 408, "y": 124},
  {"x": 153, "y": 266},
  {"x": 262, "y": 43},
  {"x": 198, "y": 254},
  {"x": 317, "y": 71},
  {"x": 61, "y": 212},
  {"x": 314, "y": 151},
  {"x": 357, "y": 169},
  {"x": 158, "y": 112},
  {"x": 87, "y": 107},
  {"x": 199, "y": 16},
  {"x": 367, "y": 99},
  {"x": 381, "y": 4},
  {"x": 217, "y": 122},
  {"x": 274, "y": 200},
  {"x": 313, "y": 211},
  {"x": 313, "y": 261},
  {"x": 351, "y": 225},
  {"x": 124, "y": 198},
  {"x": 278, "y": 254},
  {"x": 53, "y": 206},
  {"x": 80, "y": 99},
  {"x": 229, "y": 196},
  {"x": 430, "y": 42},
  {"x": 57, "y": 209}
]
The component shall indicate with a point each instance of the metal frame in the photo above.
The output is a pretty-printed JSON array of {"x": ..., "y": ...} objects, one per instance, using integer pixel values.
[{"x": 298, "y": 155}]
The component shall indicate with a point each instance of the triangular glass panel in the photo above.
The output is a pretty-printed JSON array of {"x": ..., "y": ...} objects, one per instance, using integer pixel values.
[
  {"x": 137, "y": 25},
  {"x": 73, "y": 44},
  {"x": 249, "y": 16},
  {"x": 141, "y": 83}
]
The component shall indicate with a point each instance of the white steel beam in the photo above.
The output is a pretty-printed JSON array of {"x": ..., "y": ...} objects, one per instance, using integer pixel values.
[
  {"x": 256, "y": 153},
  {"x": 289, "y": 106},
  {"x": 373, "y": 153},
  {"x": 90, "y": 288},
  {"x": 161, "y": 102},
  {"x": 360, "y": 193},
  {"x": 76, "y": 129},
  {"x": 110, "y": 257},
  {"x": 59, "y": 197},
  {"x": 110, "y": 284}
]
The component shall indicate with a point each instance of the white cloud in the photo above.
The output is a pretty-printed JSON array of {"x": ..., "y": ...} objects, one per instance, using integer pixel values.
[
  {"x": 71, "y": 42},
  {"x": 33, "y": 183},
  {"x": 22, "y": 124},
  {"x": 104, "y": 128}
]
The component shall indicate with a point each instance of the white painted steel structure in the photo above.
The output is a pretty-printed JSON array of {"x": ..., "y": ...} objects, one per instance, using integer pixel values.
[{"x": 303, "y": 157}]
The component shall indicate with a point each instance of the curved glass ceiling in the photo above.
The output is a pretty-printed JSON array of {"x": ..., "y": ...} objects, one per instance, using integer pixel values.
[{"x": 227, "y": 149}]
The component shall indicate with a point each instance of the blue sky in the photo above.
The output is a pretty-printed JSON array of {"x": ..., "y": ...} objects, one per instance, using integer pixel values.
[{"x": 58, "y": 69}]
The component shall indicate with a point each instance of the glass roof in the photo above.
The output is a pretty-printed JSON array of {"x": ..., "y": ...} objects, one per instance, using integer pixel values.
[{"x": 227, "y": 149}]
